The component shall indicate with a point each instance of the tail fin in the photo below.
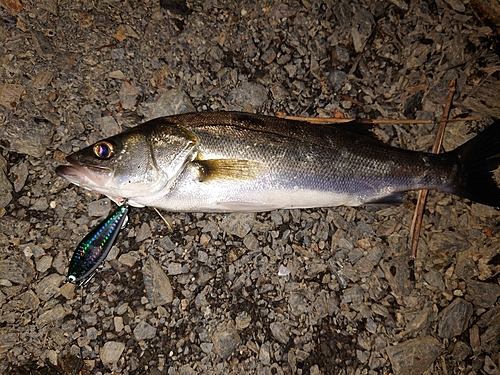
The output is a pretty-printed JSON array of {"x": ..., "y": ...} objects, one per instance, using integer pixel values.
[{"x": 479, "y": 158}]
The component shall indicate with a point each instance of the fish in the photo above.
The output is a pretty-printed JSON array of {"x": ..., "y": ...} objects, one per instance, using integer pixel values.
[
  {"x": 95, "y": 246},
  {"x": 242, "y": 162}
]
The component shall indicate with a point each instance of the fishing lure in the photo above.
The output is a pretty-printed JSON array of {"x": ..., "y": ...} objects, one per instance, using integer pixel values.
[{"x": 95, "y": 246}]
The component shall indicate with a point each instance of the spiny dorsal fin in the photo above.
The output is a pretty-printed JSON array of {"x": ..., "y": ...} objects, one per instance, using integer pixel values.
[{"x": 229, "y": 169}]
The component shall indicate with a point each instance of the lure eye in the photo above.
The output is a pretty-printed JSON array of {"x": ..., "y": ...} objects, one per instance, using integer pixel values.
[
  {"x": 71, "y": 278},
  {"x": 104, "y": 150}
]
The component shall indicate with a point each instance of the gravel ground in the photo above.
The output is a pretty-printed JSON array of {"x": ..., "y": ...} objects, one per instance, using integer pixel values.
[{"x": 324, "y": 291}]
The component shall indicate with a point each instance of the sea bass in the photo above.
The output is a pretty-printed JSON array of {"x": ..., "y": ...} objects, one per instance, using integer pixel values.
[{"x": 240, "y": 162}]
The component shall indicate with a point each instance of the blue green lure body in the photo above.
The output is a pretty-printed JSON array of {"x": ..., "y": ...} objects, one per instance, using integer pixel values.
[{"x": 95, "y": 246}]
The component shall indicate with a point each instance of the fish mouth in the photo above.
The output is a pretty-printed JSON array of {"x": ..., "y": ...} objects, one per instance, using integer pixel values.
[{"x": 85, "y": 175}]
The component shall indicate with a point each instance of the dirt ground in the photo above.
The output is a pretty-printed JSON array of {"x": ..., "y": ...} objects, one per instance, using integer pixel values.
[{"x": 318, "y": 291}]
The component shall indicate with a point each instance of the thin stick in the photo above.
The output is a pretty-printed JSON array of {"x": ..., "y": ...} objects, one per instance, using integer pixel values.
[
  {"x": 333, "y": 120},
  {"x": 168, "y": 223},
  {"x": 416, "y": 224}
]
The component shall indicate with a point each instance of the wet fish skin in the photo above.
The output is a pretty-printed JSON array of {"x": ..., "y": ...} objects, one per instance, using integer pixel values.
[{"x": 231, "y": 161}]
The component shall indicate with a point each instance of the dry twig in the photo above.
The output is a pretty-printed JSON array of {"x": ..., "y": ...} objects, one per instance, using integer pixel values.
[
  {"x": 416, "y": 224},
  {"x": 333, "y": 120}
]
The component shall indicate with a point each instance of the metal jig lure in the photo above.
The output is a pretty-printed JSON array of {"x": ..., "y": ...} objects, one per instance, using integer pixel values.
[{"x": 95, "y": 246}]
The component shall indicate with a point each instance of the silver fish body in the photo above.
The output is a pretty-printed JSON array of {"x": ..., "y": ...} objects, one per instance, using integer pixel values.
[{"x": 236, "y": 162}]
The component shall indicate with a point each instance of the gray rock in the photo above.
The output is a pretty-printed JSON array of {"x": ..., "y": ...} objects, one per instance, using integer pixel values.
[
  {"x": 100, "y": 207},
  {"x": 143, "y": 233},
  {"x": 28, "y": 137},
  {"x": 251, "y": 242},
  {"x": 238, "y": 224},
  {"x": 248, "y": 96},
  {"x": 55, "y": 313},
  {"x": 44, "y": 263},
  {"x": 280, "y": 332},
  {"x": 264, "y": 354},
  {"x": 187, "y": 370},
  {"x": 454, "y": 319},
  {"x": 41, "y": 204},
  {"x": 130, "y": 258},
  {"x": 17, "y": 270},
  {"x": 19, "y": 173},
  {"x": 226, "y": 339},
  {"x": 169, "y": 102},
  {"x": 109, "y": 126},
  {"x": 174, "y": 268},
  {"x": 128, "y": 95},
  {"x": 483, "y": 294},
  {"x": 5, "y": 185},
  {"x": 490, "y": 322},
  {"x": 448, "y": 241},
  {"x": 144, "y": 331},
  {"x": 111, "y": 352},
  {"x": 49, "y": 286},
  {"x": 362, "y": 25},
  {"x": 157, "y": 284},
  {"x": 414, "y": 356}
]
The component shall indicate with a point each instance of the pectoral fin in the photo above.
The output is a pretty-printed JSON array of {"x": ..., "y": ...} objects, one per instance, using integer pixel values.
[{"x": 229, "y": 169}]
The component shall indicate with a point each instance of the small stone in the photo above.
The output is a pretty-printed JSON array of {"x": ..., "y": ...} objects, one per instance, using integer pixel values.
[
  {"x": 174, "y": 268},
  {"x": 251, "y": 242},
  {"x": 92, "y": 333},
  {"x": 226, "y": 340},
  {"x": 17, "y": 270},
  {"x": 49, "y": 286},
  {"x": 41, "y": 204},
  {"x": 243, "y": 320},
  {"x": 5, "y": 185},
  {"x": 128, "y": 95},
  {"x": 56, "y": 313},
  {"x": 118, "y": 322},
  {"x": 249, "y": 97},
  {"x": 109, "y": 126},
  {"x": 268, "y": 56},
  {"x": 111, "y": 352},
  {"x": 455, "y": 318},
  {"x": 42, "y": 79},
  {"x": 143, "y": 233},
  {"x": 157, "y": 284},
  {"x": 264, "y": 354},
  {"x": 10, "y": 95},
  {"x": 144, "y": 331},
  {"x": 19, "y": 173},
  {"x": 414, "y": 356},
  {"x": 238, "y": 224},
  {"x": 28, "y": 137},
  {"x": 169, "y": 102},
  {"x": 44, "y": 263},
  {"x": 280, "y": 332},
  {"x": 130, "y": 258},
  {"x": 68, "y": 290},
  {"x": 99, "y": 208},
  {"x": 456, "y": 5},
  {"x": 206, "y": 347},
  {"x": 117, "y": 74},
  {"x": 27, "y": 301},
  {"x": 204, "y": 240},
  {"x": 483, "y": 294}
]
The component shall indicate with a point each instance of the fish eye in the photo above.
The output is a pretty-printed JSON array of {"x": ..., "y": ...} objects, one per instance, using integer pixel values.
[{"x": 104, "y": 149}]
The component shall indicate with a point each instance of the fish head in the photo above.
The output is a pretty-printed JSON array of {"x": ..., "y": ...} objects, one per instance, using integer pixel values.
[{"x": 141, "y": 162}]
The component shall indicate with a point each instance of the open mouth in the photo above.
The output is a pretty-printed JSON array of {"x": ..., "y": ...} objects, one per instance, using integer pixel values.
[{"x": 84, "y": 174}]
